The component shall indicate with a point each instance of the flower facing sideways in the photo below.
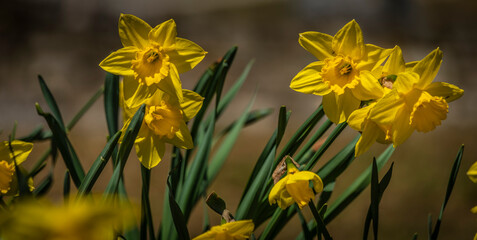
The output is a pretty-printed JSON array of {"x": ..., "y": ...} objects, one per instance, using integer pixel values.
[
  {"x": 295, "y": 187},
  {"x": 343, "y": 75},
  {"x": 154, "y": 56},
  {"x": 415, "y": 103},
  {"x": 8, "y": 176},
  {"x": 164, "y": 122},
  {"x": 236, "y": 230}
]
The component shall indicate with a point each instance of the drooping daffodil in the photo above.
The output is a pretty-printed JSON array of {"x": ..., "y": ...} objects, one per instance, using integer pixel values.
[
  {"x": 342, "y": 76},
  {"x": 164, "y": 122},
  {"x": 236, "y": 230},
  {"x": 17, "y": 151},
  {"x": 153, "y": 56},
  {"x": 295, "y": 187},
  {"x": 415, "y": 102}
]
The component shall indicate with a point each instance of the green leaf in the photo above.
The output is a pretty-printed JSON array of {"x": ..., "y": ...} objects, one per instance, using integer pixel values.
[
  {"x": 304, "y": 225},
  {"x": 360, "y": 183},
  {"x": 450, "y": 186},
  {"x": 66, "y": 186},
  {"x": 50, "y": 100},
  {"x": 300, "y": 135},
  {"x": 44, "y": 186},
  {"x": 307, "y": 150},
  {"x": 178, "y": 217},
  {"x": 125, "y": 149},
  {"x": 98, "y": 166},
  {"x": 111, "y": 102},
  {"x": 223, "y": 151},
  {"x": 146, "y": 215},
  {"x": 282, "y": 124},
  {"x": 66, "y": 149}
]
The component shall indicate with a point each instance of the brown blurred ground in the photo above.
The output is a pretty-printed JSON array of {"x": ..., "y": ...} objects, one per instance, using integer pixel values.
[{"x": 65, "y": 40}]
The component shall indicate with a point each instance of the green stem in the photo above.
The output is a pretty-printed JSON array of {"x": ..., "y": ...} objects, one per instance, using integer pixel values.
[{"x": 319, "y": 222}]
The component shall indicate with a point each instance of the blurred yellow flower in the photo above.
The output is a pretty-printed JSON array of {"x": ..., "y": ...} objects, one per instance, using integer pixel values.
[
  {"x": 236, "y": 230},
  {"x": 295, "y": 187},
  {"x": 35, "y": 220},
  {"x": 415, "y": 103},
  {"x": 164, "y": 122},
  {"x": 472, "y": 172},
  {"x": 154, "y": 56},
  {"x": 8, "y": 177},
  {"x": 343, "y": 75}
]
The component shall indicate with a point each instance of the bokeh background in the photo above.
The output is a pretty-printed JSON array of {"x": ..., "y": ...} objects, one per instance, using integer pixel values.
[{"x": 64, "y": 40}]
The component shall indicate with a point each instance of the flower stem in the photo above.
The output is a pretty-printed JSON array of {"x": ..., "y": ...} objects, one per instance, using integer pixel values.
[{"x": 319, "y": 222}]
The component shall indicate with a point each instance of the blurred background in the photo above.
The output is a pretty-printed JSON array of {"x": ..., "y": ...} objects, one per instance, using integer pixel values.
[{"x": 64, "y": 41}]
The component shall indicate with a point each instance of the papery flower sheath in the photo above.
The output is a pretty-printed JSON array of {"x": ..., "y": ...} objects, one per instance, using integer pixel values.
[
  {"x": 236, "y": 230},
  {"x": 415, "y": 102},
  {"x": 164, "y": 122},
  {"x": 342, "y": 75},
  {"x": 8, "y": 175},
  {"x": 295, "y": 187},
  {"x": 154, "y": 56}
]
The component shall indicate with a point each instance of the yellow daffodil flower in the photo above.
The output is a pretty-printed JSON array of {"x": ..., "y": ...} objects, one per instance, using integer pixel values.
[
  {"x": 164, "y": 122},
  {"x": 295, "y": 187},
  {"x": 35, "y": 220},
  {"x": 415, "y": 103},
  {"x": 154, "y": 56},
  {"x": 360, "y": 119},
  {"x": 8, "y": 176},
  {"x": 343, "y": 75},
  {"x": 237, "y": 230}
]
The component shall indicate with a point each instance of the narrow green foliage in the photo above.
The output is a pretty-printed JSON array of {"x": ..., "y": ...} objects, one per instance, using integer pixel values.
[
  {"x": 319, "y": 222},
  {"x": 64, "y": 146},
  {"x": 50, "y": 101},
  {"x": 111, "y": 102},
  {"x": 66, "y": 186},
  {"x": 45, "y": 185},
  {"x": 223, "y": 151},
  {"x": 304, "y": 225},
  {"x": 282, "y": 124},
  {"x": 300, "y": 135},
  {"x": 450, "y": 186},
  {"x": 125, "y": 149},
  {"x": 356, "y": 187},
  {"x": 23, "y": 188},
  {"x": 98, "y": 166},
  {"x": 146, "y": 215},
  {"x": 308, "y": 149},
  {"x": 179, "y": 220},
  {"x": 84, "y": 109}
]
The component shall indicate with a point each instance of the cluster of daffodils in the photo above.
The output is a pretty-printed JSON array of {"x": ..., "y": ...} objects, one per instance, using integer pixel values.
[
  {"x": 150, "y": 63},
  {"x": 372, "y": 88}
]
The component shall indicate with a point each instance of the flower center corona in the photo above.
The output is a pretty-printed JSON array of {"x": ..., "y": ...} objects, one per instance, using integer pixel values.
[
  {"x": 151, "y": 65},
  {"x": 6, "y": 176},
  {"x": 340, "y": 73},
  {"x": 428, "y": 112},
  {"x": 164, "y": 120}
]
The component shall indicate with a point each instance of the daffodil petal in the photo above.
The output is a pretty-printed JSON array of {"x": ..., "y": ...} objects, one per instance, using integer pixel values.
[
  {"x": 172, "y": 84},
  {"x": 150, "y": 151},
  {"x": 373, "y": 56},
  {"x": 309, "y": 80},
  {"x": 21, "y": 150},
  {"x": 182, "y": 139},
  {"x": 186, "y": 55},
  {"x": 140, "y": 96},
  {"x": 164, "y": 34},
  {"x": 428, "y": 67},
  {"x": 275, "y": 193},
  {"x": 133, "y": 31},
  {"x": 349, "y": 41},
  {"x": 405, "y": 81},
  {"x": 241, "y": 228},
  {"x": 402, "y": 128},
  {"x": 119, "y": 62},
  {"x": 348, "y": 104},
  {"x": 368, "y": 87},
  {"x": 384, "y": 112},
  {"x": 192, "y": 104},
  {"x": 448, "y": 91},
  {"x": 299, "y": 189},
  {"x": 358, "y": 117},
  {"x": 338, "y": 108},
  {"x": 395, "y": 63},
  {"x": 472, "y": 172},
  {"x": 369, "y": 135},
  {"x": 318, "y": 44}
]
